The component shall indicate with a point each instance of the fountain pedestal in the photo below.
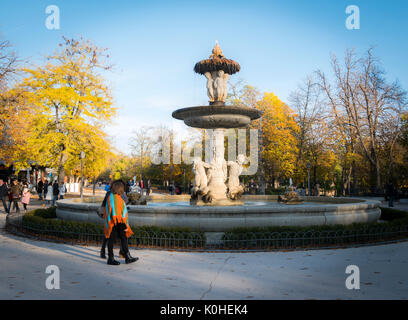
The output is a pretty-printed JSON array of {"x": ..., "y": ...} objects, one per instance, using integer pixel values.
[{"x": 218, "y": 171}]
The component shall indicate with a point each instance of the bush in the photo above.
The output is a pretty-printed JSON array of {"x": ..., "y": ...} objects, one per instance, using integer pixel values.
[
  {"x": 62, "y": 228},
  {"x": 40, "y": 222},
  {"x": 395, "y": 227},
  {"x": 388, "y": 214},
  {"x": 275, "y": 191},
  {"x": 49, "y": 213},
  {"x": 277, "y": 237}
]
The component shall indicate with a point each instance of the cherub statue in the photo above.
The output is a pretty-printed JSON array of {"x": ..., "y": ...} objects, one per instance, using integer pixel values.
[
  {"x": 235, "y": 190},
  {"x": 225, "y": 79},
  {"x": 200, "y": 177},
  {"x": 219, "y": 86},
  {"x": 210, "y": 86}
]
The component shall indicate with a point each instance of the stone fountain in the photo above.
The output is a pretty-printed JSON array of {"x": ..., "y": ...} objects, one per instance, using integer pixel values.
[
  {"x": 216, "y": 204},
  {"x": 210, "y": 182}
]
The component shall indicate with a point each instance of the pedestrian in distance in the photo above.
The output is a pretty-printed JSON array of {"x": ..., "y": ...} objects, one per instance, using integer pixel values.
[
  {"x": 62, "y": 190},
  {"x": 390, "y": 194},
  {"x": 45, "y": 191},
  {"x": 15, "y": 191},
  {"x": 49, "y": 194},
  {"x": 40, "y": 189},
  {"x": 4, "y": 195},
  {"x": 26, "y": 195},
  {"x": 55, "y": 192}
]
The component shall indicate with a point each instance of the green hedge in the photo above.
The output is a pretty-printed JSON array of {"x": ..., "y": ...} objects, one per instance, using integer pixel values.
[
  {"x": 41, "y": 222},
  {"x": 49, "y": 213},
  {"x": 389, "y": 214},
  {"x": 394, "y": 218},
  {"x": 396, "y": 225},
  {"x": 275, "y": 191}
]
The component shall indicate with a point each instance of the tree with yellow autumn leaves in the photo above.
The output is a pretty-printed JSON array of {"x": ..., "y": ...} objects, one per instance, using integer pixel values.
[
  {"x": 278, "y": 137},
  {"x": 70, "y": 105}
]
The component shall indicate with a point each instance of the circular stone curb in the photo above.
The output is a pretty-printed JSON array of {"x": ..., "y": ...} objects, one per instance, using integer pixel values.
[{"x": 221, "y": 219}]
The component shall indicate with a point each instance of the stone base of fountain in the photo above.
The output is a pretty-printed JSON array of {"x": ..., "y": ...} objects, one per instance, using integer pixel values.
[{"x": 258, "y": 211}]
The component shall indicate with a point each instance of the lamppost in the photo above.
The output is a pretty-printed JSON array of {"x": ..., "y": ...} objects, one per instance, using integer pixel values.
[
  {"x": 82, "y": 156},
  {"x": 308, "y": 178},
  {"x": 260, "y": 150}
]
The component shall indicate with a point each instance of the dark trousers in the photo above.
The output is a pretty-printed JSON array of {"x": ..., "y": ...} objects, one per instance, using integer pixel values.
[
  {"x": 4, "y": 200},
  {"x": 104, "y": 242},
  {"x": 118, "y": 231},
  {"x": 15, "y": 205},
  {"x": 391, "y": 201}
]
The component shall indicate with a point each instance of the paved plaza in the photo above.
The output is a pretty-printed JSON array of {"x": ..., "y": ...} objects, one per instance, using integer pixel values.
[{"x": 316, "y": 274}]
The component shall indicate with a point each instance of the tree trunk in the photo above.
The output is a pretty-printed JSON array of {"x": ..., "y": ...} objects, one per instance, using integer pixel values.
[
  {"x": 61, "y": 169},
  {"x": 94, "y": 186},
  {"x": 378, "y": 178}
]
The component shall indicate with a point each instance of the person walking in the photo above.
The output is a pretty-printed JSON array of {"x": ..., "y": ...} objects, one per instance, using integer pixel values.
[
  {"x": 252, "y": 187},
  {"x": 62, "y": 190},
  {"x": 172, "y": 188},
  {"x": 40, "y": 189},
  {"x": 149, "y": 187},
  {"x": 4, "y": 195},
  {"x": 10, "y": 198},
  {"x": 141, "y": 184},
  {"x": 26, "y": 195},
  {"x": 390, "y": 193},
  {"x": 101, "y": 213},
  {"x": 15, "y": 191},
  {"x": 45, "y": 190},
  {"x": 116, "y": 223},
  {"x": 55, "y": 192}
]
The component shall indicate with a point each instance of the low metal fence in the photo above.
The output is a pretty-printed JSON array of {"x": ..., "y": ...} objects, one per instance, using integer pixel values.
[{"x": 225, "y": 241}]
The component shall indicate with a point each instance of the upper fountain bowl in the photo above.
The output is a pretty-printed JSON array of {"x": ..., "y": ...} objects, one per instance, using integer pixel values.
[{"x": 217, "y": 116}]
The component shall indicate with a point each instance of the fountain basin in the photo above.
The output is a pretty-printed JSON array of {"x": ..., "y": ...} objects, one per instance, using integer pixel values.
[
  {"x": 217, "y": 116},
  {"x": 258, "y": 211}
]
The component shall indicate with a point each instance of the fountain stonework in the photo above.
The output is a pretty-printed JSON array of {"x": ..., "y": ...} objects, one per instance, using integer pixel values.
[
  {"x": 210, "y": 186},
  {"x": 217, "y": 204}
]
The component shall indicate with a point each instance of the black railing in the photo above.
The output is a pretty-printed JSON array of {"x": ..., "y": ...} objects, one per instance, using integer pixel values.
[{"x": 228, "y": 241}]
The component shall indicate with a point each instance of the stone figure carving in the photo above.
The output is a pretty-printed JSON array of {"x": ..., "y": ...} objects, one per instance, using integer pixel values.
[
  {"x": 217, "y": 69},
  {"x": 136, "y": 198},
  {"x": 290, "y": 196},
  {"x": 200, "y": 185},
  {"x": 207, "y": 179},
  {"x": 225, "y": 79},
  {"x": 217, "y": 85},
  {"x": 235, "y": 190},
  {"x": 210, "y": 86}
]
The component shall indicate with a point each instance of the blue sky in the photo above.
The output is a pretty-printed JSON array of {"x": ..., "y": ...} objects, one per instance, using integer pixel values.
[{"x": 155, "y": 44}]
